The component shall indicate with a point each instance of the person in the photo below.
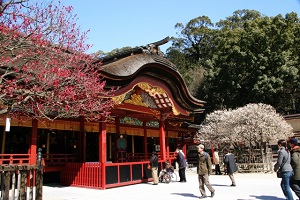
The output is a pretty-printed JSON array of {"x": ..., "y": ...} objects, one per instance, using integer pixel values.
[
  {"x": 231, "y": 166},
  {"x": 204, "y": 169},
  {"x": 225, "y": 151},
  {"x": 169, "y": 169},
  {"x": 180, "y": 158},
  {"x": 283, "y": 165},
  {"x": 168, "y": 166},
  {"x": 154, "y": 167},
  {"x": 295, "y": 163},
  {"x": 216, "y": 160}
]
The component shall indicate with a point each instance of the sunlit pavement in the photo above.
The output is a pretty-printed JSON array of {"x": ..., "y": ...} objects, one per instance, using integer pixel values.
[{"x": 264, "y": 186}]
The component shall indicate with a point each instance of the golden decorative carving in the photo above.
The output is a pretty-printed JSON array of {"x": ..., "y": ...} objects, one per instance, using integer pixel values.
[
  {"x": 175, "y": 111},
  {"x": 136, "y": 100},
  {"x": 157, "y": 90},
  {"x": 119, "y": 99},
  {"x": 156, "y": 112},
  {"x": 150, "y": 89},
  {"x": 178, "y": 124}
]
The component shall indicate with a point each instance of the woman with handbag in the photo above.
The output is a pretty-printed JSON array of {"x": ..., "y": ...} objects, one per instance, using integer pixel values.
[
  {"x": 295, "y": 162},
  {"x": 284, "y": 169},
  {"x": 154, "y": 167}
]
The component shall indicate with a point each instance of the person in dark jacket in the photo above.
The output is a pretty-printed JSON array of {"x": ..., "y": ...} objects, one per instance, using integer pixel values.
[
  {"x": 204, "y": 169},
  {"x": 230, "y": 164},
  {"x": 295, "y": 162},
  {"x": 284, "y": 165},
  {"x": 180, "y": 158},
  {"x": 154, "y": 167}
]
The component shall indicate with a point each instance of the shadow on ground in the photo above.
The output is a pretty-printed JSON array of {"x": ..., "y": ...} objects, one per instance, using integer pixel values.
[
  {"x": 221, "y": 185},
  {"x": 185, "y": 195},
  {"x": 54, "y": 185},
  {"x": 264, "y": 197}
]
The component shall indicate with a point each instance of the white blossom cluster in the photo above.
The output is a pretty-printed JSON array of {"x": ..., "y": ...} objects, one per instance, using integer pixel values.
[{"x": 252, "y": 124}]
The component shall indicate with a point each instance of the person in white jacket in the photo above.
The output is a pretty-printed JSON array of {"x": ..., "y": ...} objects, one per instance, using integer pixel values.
[{"x": 216, "y": 160}]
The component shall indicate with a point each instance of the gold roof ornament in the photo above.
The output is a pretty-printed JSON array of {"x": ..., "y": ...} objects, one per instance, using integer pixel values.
[
  {"x": 150, "y": 89},
  {"x": 136, "y": 100},
  {"x": 119, "y": 99}
]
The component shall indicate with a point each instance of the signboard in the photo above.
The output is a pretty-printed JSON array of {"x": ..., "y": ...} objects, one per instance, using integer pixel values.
[
  {"x": 7, "y": 124},
  {"x": 157, "y": 147}
]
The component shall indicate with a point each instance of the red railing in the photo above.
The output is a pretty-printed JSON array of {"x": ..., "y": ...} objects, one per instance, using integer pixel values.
[
  {"x": 48, "y": 159},
  {"x": 62, "y": 159},
  {"x": 14, "y": 159},
  {"x": 126, "y": 173},
  {"x": 82, "y": 175},
  {"x": 136, "y": 157},
  {"x": 58, "y": 159},
  {"x": 172, "y": 156},
  {"x": 117, "y": 174}
]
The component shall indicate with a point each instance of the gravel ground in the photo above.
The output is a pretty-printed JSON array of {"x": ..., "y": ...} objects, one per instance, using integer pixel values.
[{"x": 263, "y": 186}]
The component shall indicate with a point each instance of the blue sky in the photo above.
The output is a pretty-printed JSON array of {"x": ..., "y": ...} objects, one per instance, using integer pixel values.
[{"x": 121, "y": 23}]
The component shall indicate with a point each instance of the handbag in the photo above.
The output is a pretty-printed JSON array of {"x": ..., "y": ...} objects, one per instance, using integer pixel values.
[
  {"x": 213, "y": 167},
  {"x": 278, "y": 172}
]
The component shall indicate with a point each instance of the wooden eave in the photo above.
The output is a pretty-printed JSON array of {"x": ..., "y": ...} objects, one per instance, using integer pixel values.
[
  {"x": 147, "y": 65},
  {"x": 124, "y": 74},
  {"x": 289, "y": 117}
]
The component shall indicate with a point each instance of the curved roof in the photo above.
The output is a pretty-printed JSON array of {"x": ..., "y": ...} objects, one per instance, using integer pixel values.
[{"x": 147, "y": 65}]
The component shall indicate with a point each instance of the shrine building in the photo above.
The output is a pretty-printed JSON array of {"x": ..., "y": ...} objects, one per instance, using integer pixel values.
[{"x": 154, "y": 111}]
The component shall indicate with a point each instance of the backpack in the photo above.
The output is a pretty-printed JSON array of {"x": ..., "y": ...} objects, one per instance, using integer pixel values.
[
  {"x": 205, "y": 155},
  {"x": 206, "y": 159}
]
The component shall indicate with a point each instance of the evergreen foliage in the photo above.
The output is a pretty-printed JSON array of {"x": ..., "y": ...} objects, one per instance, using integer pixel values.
[{"x": 246, "y": 58}]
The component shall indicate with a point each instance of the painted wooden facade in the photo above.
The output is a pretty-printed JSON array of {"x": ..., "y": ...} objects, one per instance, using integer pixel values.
[{"x": 153, "y": 111}]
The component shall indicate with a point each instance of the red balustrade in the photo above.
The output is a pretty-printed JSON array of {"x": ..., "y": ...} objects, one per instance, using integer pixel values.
[
  {"x": 82, "y": 175},
  {"x": 58, "y": 159},
  {"x": 6, "y": 159},
  {"x": 136, "y": 157},
  {"x": 48, "y": 159}
]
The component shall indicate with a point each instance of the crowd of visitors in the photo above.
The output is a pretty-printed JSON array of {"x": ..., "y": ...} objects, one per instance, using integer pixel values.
[
  {"x": 204, "y": 168},
  {"x": 287, "y": 167}
]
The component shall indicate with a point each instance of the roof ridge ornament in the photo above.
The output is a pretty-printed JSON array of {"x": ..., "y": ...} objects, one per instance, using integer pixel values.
[{"x": 153, "y": 48}]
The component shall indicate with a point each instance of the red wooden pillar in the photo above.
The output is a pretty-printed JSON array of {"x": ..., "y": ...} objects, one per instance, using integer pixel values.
[
  {"x": 32, "y": 149},
  {"x": 167, "y": 145},
  {"x": 82, "y": 141},
  {"x": 162, "y": 140},
  {"x": 102, "y": 151},
  {"x": 145, "y": 141},
  {"x": 33, "y": 142}
]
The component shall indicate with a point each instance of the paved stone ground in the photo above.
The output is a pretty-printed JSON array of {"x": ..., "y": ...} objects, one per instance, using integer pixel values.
[{"x": 263, "y": 186}]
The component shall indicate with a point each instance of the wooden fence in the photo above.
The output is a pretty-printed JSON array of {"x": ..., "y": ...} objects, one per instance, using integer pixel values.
[
  {"x": 18, "y": 182},
  {"x": 252, "y": 163}
]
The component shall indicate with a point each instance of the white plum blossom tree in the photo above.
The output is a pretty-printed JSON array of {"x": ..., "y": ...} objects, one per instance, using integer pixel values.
[{"x": 252, "y": 124}]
